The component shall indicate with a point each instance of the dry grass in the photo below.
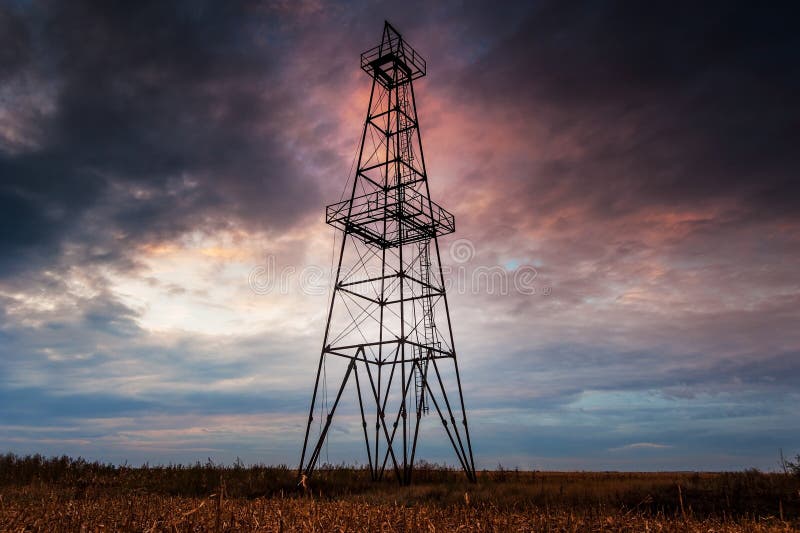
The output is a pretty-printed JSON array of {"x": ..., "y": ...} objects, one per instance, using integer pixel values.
[
  {"x": 51, "y": 510},
  {"x": 68, "y": 495}
]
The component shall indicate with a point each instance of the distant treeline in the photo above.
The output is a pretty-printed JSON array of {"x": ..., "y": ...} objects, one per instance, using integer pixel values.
[{"x": 746, "y": 493}]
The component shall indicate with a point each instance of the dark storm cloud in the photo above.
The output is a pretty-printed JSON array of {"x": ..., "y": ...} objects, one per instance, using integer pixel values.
[
  {"x": 15, "y": 40},
  {"x": 672, "y": 104},
  {"x": 645, "y": 155},
  {"x": 642, "y": 155},
  {"x": 165, "y": 117}
]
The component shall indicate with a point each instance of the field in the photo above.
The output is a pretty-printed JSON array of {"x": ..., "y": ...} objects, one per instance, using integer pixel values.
[{"x": 63, "y": 494}]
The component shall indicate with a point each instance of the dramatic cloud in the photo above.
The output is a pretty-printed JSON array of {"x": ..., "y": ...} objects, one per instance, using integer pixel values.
[{"x": 638, "y": 161}]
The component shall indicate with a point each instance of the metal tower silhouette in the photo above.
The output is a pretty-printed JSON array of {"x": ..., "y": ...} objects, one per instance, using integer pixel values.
[{"x": 388, "y": 330}]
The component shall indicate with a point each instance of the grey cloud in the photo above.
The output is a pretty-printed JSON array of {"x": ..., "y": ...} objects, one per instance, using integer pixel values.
[
  {"x": 670, "y": 105},
  {"x": 167, "y": 117},
  {"x": 15, "y": 42},
  {"x": 170, "y": 118}
]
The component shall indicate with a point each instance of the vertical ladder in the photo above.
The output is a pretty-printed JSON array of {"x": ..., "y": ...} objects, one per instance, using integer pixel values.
[{"x": 428, "y": 337}]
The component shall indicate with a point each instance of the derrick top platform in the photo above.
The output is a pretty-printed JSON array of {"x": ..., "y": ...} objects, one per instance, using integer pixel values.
[{"x": 393, "y": 62}]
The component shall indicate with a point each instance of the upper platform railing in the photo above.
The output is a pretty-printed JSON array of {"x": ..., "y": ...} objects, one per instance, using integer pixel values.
[
  {"x": 393, "y": 61},
  {"x": 415, "y": 219}
]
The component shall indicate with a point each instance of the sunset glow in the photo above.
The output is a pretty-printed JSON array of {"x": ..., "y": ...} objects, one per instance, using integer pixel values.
[{"x": 165, "y": 266}]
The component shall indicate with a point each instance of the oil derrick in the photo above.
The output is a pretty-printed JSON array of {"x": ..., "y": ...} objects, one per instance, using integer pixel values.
[{"x": 388, "y": 337}]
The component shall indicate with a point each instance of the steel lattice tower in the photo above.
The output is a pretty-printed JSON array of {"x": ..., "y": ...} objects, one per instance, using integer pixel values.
[{"x": 388, "y": 328}]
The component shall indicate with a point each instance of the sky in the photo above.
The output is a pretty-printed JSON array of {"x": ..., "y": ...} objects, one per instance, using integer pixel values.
[{"x": 635, "y": 162}]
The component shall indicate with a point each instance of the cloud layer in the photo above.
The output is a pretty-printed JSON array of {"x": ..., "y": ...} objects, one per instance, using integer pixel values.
[{"x": 642, "y": 158}]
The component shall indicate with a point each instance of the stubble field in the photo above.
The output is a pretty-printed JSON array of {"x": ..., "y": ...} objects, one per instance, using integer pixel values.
[{"x": 63, "y": 494}]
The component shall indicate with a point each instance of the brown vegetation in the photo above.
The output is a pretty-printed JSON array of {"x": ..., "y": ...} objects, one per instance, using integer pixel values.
[{"x": 62, "y": 494}]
